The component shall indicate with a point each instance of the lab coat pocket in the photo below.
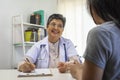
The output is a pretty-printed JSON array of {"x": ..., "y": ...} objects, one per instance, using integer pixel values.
[{"x": 42, "y": 61}]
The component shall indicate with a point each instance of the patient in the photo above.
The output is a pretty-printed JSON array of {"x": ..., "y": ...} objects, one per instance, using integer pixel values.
[{"x": 102, "y": 54}]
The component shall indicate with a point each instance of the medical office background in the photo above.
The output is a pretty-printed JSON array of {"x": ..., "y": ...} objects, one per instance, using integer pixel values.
[{"x": 77, "y": 26}]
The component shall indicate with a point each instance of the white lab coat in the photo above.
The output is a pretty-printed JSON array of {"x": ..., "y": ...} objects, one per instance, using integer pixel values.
[{"x": 39, "y": 53}]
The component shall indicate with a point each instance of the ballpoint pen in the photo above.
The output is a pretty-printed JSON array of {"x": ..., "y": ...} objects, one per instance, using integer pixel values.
[{"x": 27, "y": 60}]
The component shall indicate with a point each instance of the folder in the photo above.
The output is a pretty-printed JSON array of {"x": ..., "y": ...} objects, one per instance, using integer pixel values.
[{"x": 36, "y": 72}]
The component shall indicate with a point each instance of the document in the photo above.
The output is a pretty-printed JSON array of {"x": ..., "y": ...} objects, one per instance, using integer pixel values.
[{"x": 36, "y": 72}]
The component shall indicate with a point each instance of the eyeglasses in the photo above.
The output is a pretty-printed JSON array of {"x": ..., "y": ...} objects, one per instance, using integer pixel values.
[{"x": 54, "y": 24}]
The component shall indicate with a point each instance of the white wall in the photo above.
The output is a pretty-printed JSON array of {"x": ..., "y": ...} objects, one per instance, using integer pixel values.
[{"x": 9, "y": 8}]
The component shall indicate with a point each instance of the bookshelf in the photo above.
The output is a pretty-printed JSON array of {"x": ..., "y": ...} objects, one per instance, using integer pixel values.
[{"x": 20, "y": 46}]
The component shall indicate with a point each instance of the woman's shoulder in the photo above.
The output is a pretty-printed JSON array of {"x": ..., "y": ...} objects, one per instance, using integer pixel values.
[{"x": 106, "y": 27}]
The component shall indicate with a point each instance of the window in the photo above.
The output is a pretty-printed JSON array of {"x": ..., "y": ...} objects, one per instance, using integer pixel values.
[{"x": 78, "y": 22}]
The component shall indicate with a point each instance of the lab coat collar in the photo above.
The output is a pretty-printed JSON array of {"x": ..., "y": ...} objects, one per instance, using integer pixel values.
[
  {"x": 62, "y": 40},
  {"x": 45, "y": 43}
]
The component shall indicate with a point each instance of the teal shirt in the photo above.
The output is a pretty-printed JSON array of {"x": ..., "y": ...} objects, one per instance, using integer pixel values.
[{"x": 103, "y": 49}]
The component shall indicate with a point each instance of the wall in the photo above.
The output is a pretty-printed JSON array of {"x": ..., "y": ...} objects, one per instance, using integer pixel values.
[{"x": 9, "y": 8}]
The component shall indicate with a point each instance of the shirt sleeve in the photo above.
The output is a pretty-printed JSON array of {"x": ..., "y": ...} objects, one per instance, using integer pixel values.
[
  {"x": 98, "y": 47},
  {"x": 32, "y": 53}
]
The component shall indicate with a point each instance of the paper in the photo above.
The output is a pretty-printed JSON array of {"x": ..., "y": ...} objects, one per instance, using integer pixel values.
[{"x": 37, "y": 72}]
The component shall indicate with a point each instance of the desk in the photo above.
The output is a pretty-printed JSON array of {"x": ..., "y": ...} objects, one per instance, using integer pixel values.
[{"x": 11, "y": 74}]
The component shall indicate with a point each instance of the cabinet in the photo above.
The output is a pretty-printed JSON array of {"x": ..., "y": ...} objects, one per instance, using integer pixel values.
[{"x": 20, "y": 46}]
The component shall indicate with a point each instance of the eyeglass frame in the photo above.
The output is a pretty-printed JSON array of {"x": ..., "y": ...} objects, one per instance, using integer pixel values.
[{"x": 53, "y": 24}]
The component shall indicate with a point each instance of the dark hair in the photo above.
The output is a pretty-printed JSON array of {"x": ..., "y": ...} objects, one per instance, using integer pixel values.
[
  {"x": 56, "y": 16},
  {"x": 108, "y": 10}
]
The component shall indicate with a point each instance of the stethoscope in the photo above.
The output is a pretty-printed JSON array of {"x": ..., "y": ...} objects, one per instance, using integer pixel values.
[
  {"x": 43, "y": 46},
  {"x": 66, "y": 58}
]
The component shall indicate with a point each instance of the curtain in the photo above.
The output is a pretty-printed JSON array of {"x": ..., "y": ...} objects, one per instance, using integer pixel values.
[{"x": 78, "y": 22}]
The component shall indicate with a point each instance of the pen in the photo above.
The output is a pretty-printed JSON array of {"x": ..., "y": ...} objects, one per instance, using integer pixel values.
[{"x": 27, "y": 60}]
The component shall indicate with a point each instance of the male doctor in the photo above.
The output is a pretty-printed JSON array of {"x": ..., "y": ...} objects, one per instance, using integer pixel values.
[{"x": 51, "y": 52}]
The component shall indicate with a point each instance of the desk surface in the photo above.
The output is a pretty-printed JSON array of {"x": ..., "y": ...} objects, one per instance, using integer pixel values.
[{"x": 12, "y": 74}]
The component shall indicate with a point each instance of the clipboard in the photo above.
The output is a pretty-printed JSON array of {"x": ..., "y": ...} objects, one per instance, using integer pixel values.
[{"x": 37, "y": 72}]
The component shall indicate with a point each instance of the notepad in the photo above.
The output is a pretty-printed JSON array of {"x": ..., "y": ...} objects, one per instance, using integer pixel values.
[{"x": 37, "y": 72}]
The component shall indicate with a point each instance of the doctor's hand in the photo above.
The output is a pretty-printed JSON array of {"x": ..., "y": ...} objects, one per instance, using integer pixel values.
[
  {"x": 26, "y": 67},
  {"x": 62, "y": 67},
  {"x": 76, "y": 70}
]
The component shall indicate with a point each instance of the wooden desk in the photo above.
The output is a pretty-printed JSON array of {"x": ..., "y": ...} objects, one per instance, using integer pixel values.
[{"x": 12, "y": 74}]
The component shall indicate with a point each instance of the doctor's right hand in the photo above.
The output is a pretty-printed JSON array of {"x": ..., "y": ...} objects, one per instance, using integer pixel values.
[{"x": 26, "y": 67}]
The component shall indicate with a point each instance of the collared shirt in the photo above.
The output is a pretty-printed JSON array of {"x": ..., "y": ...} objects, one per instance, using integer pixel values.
[{"x": 54, "y": 54}]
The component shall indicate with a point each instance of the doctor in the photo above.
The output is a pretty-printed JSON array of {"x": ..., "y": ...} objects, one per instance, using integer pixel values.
[{"x": 51, "y": 52}]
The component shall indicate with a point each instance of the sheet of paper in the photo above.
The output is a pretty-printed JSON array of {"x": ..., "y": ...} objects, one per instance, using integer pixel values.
[{"x": 37, "y": 72}]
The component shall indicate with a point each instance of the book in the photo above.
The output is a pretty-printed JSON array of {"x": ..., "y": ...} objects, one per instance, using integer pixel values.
[
  {"x": 42, "y": 14},
  {"x": 36, "y": 72},
  {"x": 27, "y": 35}
]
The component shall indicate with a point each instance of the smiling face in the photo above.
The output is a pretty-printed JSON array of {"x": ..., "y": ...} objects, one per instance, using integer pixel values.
[{"x": 54, "y": 30}]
